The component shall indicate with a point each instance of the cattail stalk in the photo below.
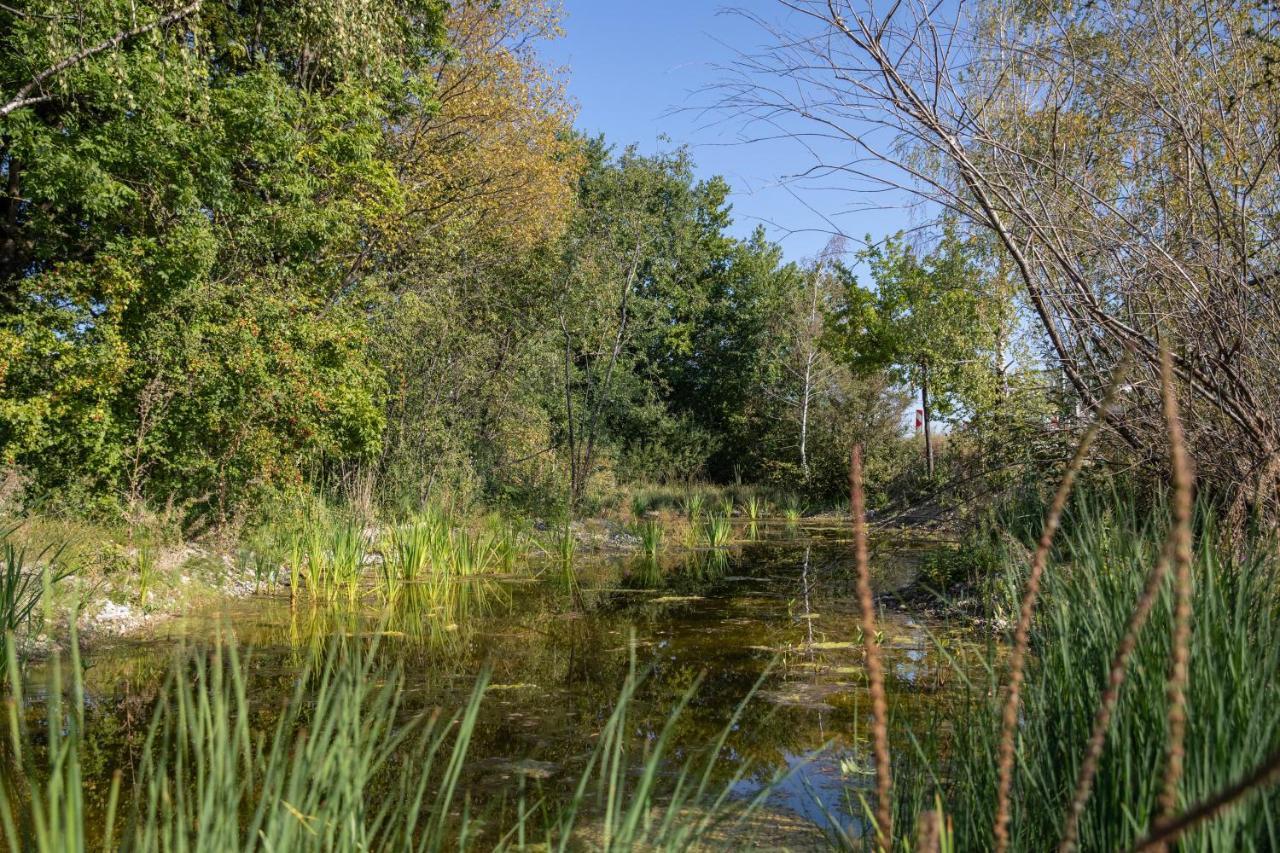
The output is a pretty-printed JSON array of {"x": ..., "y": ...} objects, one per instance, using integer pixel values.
[
  {"x": 1180, "y": 665},
  {"x": 875, "y": 668},
  {"x": 1022, "y": 633}
]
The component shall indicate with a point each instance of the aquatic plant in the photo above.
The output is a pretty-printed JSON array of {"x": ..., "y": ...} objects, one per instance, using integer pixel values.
[
  {"x": 409, "y": 555},
  {"x": 717, "y": 531},
  {"x": 510, "y": 543},
  {"x": 1078, "y": 769},
  {"x": 334, "y": 558},
  {"x": 144, "y": 562},
  {"x": 693, "y": 505},
  {"x": 347, "y": 551},
  {"x": 651, "y": 535},
  {"x": 753, "y": 508}
]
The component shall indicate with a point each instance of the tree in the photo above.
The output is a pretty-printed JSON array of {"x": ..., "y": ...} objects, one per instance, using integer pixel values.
[
  {"x": 1121, "y": 154},
  {"x": 807, "y": 372},
  {"x": 178, "y": 321},
  {"x": 633, "y": 261},
  {"x": 923, "y": 322}
]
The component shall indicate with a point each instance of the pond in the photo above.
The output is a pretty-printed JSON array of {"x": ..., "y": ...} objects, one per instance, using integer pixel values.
[{"x": 775, "y": 613}]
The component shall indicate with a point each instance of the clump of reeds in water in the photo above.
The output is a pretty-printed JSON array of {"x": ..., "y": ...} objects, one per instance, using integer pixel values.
[
  {"x": 717, "y": 532},
  {"x": 694, "y": 504},
  {"x": 330, "y": 559},
  {"x": 792, "y": 510},
  {"x": 24, "y": 578},
  {"x": 651, "y": 535}
]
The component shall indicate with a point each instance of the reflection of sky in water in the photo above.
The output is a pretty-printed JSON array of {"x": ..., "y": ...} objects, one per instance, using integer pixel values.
[{"x": 816, "y": 789}]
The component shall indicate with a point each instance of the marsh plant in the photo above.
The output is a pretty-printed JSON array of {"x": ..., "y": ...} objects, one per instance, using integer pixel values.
[
  {"x": 694, "y": 503},
  {"x": 717, "y": 532},
  {"x": 792, "y": 510},
  {"x": 1135, "y": 709},
  {"x": 24, "y": 578},
  {"x": 651, "y": 535},
  {"x": 145, "y": 567},
  {"x": 1234, "y": 672},
  {"x": 754, "y": 508}
]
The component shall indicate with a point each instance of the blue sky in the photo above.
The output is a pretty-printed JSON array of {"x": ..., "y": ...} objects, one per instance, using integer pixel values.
[{"x": 636, "y": 70}]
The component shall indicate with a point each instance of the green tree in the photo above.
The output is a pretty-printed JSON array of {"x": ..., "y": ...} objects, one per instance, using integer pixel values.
[
  {"x": 923, "y": 322},
  {"x": 179, "y": 320}
]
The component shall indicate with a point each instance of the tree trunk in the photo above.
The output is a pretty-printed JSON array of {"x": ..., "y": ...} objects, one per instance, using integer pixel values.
[
  {"x": 568, "y": 410},
  {"x": 805, "y": 395},
  {"x": 928, "y": 425}
]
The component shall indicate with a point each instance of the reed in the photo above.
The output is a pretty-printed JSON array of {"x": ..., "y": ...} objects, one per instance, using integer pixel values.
[
  {"x": 347, "y": 551},
  {"x": 717, "y": 532},
  {"x": 408, "y": 558},
  {"x": 146, "y": 570},
  {"x": 1180, "y": 541},
  {"x": 875, "y": 668},
  {"x": 24, "y": 577},
  {"x": 1021, "y": 634},
  {"x": 694, "y": 503},
  {"x": 651, "y": 535}
]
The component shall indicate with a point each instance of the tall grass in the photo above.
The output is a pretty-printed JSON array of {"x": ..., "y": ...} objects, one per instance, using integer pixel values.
[
  {"x": 146, "y": 565},
  {"x": 792, "y": 510},
  {"x": 694, "y": 504},
  {"x": 332, "y": 774},
  {"x": 1089, "y": 591}
]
